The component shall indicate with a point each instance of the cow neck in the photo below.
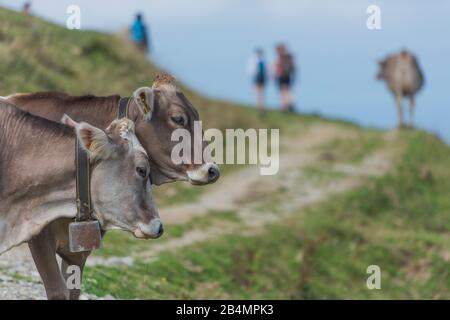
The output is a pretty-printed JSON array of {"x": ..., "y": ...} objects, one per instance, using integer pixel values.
[
  {"x": 123, "y": 107},
  {"x": 127, "y": 109},
  {"x": 53, "y": 181}
]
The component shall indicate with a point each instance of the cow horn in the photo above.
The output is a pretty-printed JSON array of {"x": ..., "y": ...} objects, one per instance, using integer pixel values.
[{"x": 163, "y": 78}]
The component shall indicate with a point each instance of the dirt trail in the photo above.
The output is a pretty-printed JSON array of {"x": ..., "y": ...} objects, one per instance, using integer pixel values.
[
  {"x": 243, "y": 191},
  {"x": 233, "y": 188}
]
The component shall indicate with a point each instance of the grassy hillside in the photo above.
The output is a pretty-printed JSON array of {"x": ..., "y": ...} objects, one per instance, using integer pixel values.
[
  {"x": 37, "y": 55},
  {"x": 346, "y": 198}
]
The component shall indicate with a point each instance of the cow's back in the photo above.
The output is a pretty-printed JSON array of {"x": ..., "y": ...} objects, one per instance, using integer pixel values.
[{"x": 98, "y": 111}]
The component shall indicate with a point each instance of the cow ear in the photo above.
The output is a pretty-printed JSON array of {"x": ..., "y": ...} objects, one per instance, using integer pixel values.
[
  {"x": 144, "y": 98},
  {"x": 95, "y": 141}
]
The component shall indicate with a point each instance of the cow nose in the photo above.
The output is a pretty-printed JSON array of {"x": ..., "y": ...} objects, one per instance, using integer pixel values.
[
  {"x": 152, "y": 230},
  {"x": 161, "y": 230},
  {"x": 213, "y": 174}
]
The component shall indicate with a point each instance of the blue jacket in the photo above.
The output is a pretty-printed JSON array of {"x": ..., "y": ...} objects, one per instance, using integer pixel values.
[{"x": 138, "y": 31}]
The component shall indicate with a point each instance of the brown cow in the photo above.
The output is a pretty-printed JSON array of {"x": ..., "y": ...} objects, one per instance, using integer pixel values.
[
  {"x": 156, "y": 111},
  {"x": 404, "y": 78},
  {"x": 37, "y": 188}
]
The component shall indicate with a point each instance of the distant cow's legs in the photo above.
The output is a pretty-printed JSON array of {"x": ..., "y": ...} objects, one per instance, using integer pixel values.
[
  {"x": 42, "y": 249},
  {"x": 411, "y": 110},
  {"x": 73, "y": 259},
  {"x": 399, "y": 110}
]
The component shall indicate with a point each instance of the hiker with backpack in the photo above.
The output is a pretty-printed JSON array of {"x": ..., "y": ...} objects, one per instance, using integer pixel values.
[
  {"x": 257, "y": 69},
  {"x": 284, "y": 70}
]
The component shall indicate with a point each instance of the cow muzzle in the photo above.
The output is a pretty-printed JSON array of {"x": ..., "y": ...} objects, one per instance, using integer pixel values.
[
  {"x": 152, "y": 230},
  {"x": 205, "y": 174}
]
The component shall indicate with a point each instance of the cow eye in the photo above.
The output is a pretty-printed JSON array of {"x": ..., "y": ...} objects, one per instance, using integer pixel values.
[
  {"x": 179, "y": 120},
  {"x": 141, "y": 171}
]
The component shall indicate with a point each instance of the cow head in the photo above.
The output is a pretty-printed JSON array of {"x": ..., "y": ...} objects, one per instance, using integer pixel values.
[
  {"x": 159, "y": 111},
  {"x": 383, "y": 69},
  {"x": 120, "y": 188}
]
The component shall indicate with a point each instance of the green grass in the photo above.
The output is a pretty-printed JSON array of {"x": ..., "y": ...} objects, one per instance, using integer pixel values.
[
  {"x": 399, "y": 222},
  {"x": 353, "y": 148},
  {"x": 121, "y": 244},
  {"x": 38, "y": 55},
  {"x": 320, "y": 173}
]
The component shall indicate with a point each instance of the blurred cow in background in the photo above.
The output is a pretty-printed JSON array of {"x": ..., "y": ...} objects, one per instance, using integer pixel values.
[{"x": 404, "y": 78}]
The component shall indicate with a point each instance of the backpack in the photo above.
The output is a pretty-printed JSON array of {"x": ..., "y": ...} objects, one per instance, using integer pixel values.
[{"x": 286, "y": 65}]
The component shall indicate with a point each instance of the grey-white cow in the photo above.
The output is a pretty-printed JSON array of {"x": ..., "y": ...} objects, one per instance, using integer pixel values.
[
  {"x": 404, "y": 78},
  {"x": 37, "y": 188}
]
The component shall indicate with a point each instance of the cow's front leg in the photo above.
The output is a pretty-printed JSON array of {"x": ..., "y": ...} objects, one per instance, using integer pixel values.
[
  {"x": 42, "y": 249},
  {"x": 73, "y": 259}
]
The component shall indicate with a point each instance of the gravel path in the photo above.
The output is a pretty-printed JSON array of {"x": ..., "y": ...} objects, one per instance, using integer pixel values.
[{"x": 19, "y": 279}]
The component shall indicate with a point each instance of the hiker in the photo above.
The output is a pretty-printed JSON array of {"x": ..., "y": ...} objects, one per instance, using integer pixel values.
[
  {"x": 139, "y": 33},
  {"x": 257, "y": 69},
  {"x": 26, "y": 8},
  {"x": 284, "y": 70}
]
